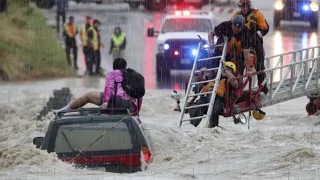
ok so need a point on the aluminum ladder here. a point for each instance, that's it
(192, 83)
(288, 76)
(292, 75)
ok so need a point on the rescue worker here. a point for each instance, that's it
(228, 76)
(62, 6)
(258, 27)
(84, 37)
(239, 43)
(118, 43)
(70, 31)
(93, 46)
(97, 52)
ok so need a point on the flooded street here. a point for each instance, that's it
(285, 145)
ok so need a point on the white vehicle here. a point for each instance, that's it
(161, 4)
(178, 40)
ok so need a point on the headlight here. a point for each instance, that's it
(166, 46)
(306, 7)
(279, 5)
(206, 46)
(163, 47)
(314, 6)
(194, 52)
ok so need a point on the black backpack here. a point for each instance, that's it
(133, 83)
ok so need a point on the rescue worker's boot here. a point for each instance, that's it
(196, 112)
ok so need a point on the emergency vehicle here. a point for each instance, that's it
(159, 5)
(177, 41)
(299, 10)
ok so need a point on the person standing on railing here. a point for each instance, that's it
(239, 43)
(257, 26)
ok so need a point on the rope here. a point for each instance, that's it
(104, 133)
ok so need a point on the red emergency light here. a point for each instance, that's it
(176, 53)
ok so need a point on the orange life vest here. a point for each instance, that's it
(221, 88)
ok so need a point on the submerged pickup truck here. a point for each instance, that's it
(95, 138)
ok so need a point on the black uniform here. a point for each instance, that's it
(71, 43)
(91, 54)
(257, 40)
(236, 43)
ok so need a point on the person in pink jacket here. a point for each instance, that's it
(108, 98)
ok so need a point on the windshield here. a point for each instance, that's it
(187, 25)
(76, 137)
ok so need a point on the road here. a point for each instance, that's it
(140, 52)
(284, 145)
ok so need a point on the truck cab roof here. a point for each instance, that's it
(95, 137)
(186, 25)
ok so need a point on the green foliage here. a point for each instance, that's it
(18, 3)
(29, 49)
(19, 22)
(29, 11)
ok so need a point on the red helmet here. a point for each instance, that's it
(243, 3)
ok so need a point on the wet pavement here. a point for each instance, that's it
(140, 51)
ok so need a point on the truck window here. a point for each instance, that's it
(187, 25)
(80, 136)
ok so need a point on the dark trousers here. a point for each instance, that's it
(90, 59)
(217, 110)
(260, 64)
(63, 15)
(98, 61)
(71, 44)
(3, 6)
(116, 102)
(85, 52)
